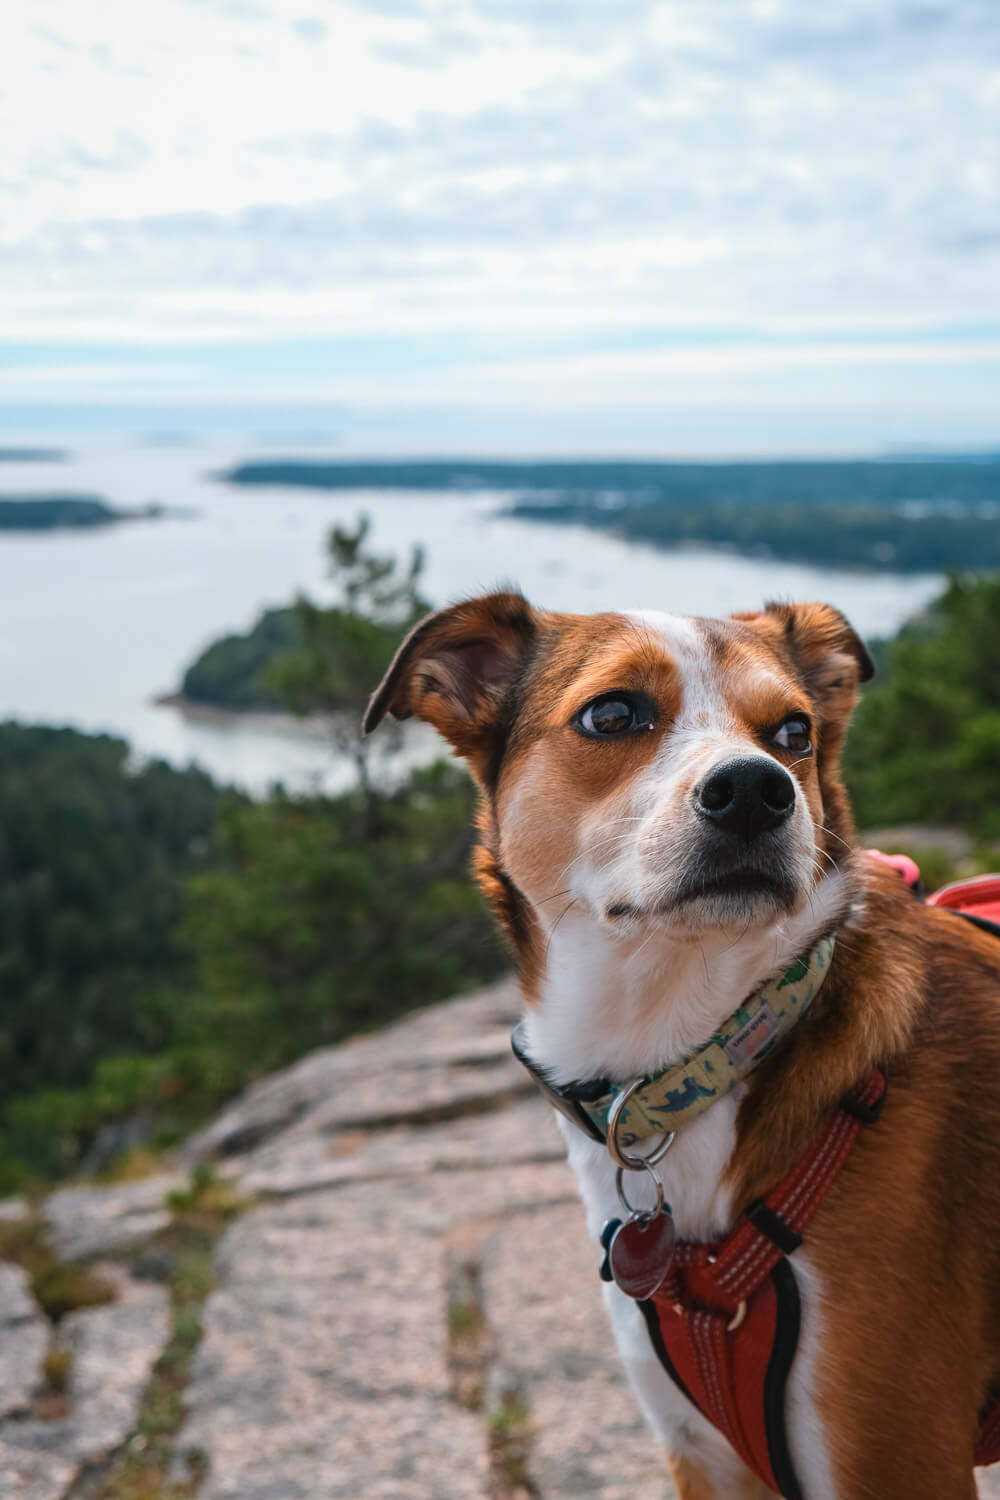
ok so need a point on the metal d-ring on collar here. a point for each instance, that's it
(625, 1159)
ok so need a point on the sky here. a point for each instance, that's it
(709, 226)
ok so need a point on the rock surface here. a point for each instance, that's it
(386, 1320)
(84, 1222)
(589, 1436)
(24, 1337)
(113, 1350)
(438, 1061)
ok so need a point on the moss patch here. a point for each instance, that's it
(59, 1286)
(62, 1287)
(477, 1382)
(207, 1198)
(511, 1431)
(56, 1368)
(469, 1341)
(143, 1469)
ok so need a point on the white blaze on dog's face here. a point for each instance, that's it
(652, 770)
(682, 792)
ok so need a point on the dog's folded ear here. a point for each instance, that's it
(823, 644)
(455, 667)
(826, 653)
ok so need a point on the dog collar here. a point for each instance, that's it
(661, 1103)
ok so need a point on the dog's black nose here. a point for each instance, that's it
(746, 795)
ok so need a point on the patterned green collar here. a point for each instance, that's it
(664, 1102)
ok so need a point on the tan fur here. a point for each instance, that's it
(692, 1482)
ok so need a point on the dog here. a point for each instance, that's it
(665, 839)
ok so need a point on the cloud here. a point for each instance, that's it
(310, 28)
(182, 171)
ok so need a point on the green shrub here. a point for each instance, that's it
(925, 744)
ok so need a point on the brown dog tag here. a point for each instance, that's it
(641, 1252)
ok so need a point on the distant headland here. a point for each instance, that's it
(894, 514)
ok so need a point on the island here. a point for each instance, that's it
(68, 512)
(229, 673)
(33, 455)
(898, 514)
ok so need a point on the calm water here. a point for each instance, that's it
(94, 625)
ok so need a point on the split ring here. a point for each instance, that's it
(639, 1213)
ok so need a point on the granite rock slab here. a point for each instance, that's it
(114, 1348)
(322, 1372)
(553, 1335)
(302, 1161)
(24, 1338)
(87, 1221)
(443, 1056)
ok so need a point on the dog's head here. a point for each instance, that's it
(656, 771)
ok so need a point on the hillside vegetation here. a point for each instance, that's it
(925, 744)
(163, 941)
(93, 856)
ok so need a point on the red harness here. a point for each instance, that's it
(725, 1323)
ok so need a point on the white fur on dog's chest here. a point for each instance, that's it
(692, 1173)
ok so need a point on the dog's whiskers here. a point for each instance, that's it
(823, 829)
(552, 931)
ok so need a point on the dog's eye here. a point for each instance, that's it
(614, 714)
(793, 734)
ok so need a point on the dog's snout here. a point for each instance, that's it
(746, 796)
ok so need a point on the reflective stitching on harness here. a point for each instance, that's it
(740, 1378)
(705, 1351)
(760, 1250)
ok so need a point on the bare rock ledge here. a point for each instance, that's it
(408, 1310)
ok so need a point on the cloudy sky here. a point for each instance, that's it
(509, 225)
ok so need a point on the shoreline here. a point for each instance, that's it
(272, 721)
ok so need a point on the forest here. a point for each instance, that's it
(164, 941)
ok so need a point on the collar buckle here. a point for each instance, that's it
(561, 1099)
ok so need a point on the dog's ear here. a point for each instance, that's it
(454, 669)
(823, 643)
(827, 654)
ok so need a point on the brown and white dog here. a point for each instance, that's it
(664, 829)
